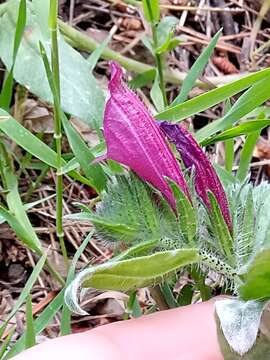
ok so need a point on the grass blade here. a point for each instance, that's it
(66, 313)
(6, 92)
(39, 324)
(246, 128)
(96, 54)
(20, 231)
(246, 155)
(84, 156)
(30, 336)
(211, 98)
(29, 142)
(156, 94)
(253, 97)
(5, 344)
(196, 70)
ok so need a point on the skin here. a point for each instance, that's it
(187, 333)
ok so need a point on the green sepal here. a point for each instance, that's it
(186, 213)
(220, 229)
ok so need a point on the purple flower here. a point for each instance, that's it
(134, 139)
(192, 155)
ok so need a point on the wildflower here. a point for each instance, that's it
(134, 139)
(206, 178)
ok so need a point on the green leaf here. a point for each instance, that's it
(226, 177)
(168, 295)
(84, 156)
(96, 54)
(220, 229)
(165, 32)
(139, 222)
(80, 94)
(245, 223)
(18, 228)
(133, 306)
(129, 274)
(70, 166)
(210, 98)
(30, 336)
(156, 94)
(66, 314)
(6, 92)
(186, 295)
(121, 230)
(151, 10)
(6, 343)
(245, 128)
(16, 215)
(196, 70)
(246, 155)
(166, 45)
(137, 250)
(40, 324)
(257, 285)
(143, 79)
(187, 216)
(253, 97)
(228, 144)
(24, 138)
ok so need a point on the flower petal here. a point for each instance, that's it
(206, 178)
(134, 139)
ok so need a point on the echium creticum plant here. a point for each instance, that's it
(168, 213)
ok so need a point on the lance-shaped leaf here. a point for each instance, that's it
(134, 139)
(192, 155)
(129, 274)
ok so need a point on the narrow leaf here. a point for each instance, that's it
(156, 94)
(187, 217)
(257, 285)
(30, 336)
(66, 314)
(84, 156)
(196, 70)
(6, 92)
(245, 128)
(40, 324)
(210, 98)
(246, 155)
(24, 138)
(151, 10)
(129, 274)
(253, 97)
(221, 229)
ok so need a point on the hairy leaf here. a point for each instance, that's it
(129, 274)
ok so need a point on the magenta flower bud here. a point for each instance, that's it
(134, 139)
(206, 178)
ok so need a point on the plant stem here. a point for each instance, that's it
(157, 56)
(158, 296)
(57, 127)
(200, 282)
